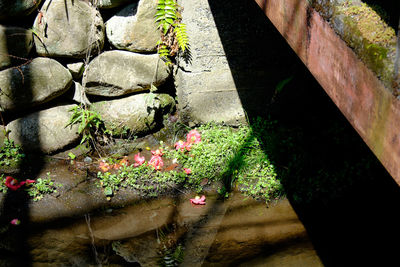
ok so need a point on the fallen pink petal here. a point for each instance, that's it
(193, 137)
(198, 200)
(13, 183)
(180, 145)
(156, 162)
(15, 222)
(187, 171)
(188, 146)
(124, 161)
(158, 152)
(139, 160)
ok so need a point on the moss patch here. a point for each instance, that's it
(369, 24)
(370, 37)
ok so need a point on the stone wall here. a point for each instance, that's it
(237, 59)
(56, 54)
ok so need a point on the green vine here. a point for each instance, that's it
(174, 38)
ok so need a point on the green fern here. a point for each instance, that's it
(164, 53)
(173, 33)
(181, 36)
(166, 14)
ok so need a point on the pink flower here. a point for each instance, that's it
(124, 161)
(180, 145)
(156, 162)
(12, 183)
(15, 222)
(198, 200)
(187, 171)
(104, 166)
(138, 160)
(188, 146)
(193, 137)
(29, 181)
(158, 152)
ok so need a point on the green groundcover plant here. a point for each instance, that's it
(10, 152)
(36, 189)
(211, 153)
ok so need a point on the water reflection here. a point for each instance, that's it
(221, 233)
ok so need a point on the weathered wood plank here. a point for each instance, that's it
(370, 107)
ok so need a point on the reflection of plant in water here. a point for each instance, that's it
(172, 257)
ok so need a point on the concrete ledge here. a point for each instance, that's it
(370, 107)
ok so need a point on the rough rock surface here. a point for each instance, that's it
(76, 69)
(133, 28)
(15, 43)
(78, 94)
(45, 130)
(41, 80)
(68, 29)
(137, 114)
(111, 3)
(12, 9)
(116, 73)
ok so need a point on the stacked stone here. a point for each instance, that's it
(51, 51)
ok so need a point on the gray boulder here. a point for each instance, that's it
(137, 114)
(133, 28)
(104, 4)
(116, 73)
(15, 8)
(68, 28)
(38, 82)
(45, 130)
(15, 44)
(76, 69)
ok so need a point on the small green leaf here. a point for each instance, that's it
(108, 191)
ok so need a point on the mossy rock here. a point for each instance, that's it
(136, 115)
(370, 37)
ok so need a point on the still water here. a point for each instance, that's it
(235, 232)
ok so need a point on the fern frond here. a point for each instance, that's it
(164, 53)
(181, 36)
(166, 14)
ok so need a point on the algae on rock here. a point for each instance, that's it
(366, 33)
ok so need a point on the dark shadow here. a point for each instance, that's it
(14, 249)
(344, 197)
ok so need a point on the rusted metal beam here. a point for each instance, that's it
(370, 107)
